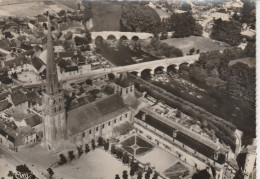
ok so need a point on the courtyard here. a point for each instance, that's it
(136, 146)
(96, 164)
(163, 162)
(28, 77)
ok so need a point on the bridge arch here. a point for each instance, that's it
(135, 38)
(136, 73)
(111, 37)
(123, 37)
(183, 67)
(172, 68)
(146, 74)
(159, 70)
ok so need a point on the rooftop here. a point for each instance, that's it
(95, 113)
(4, 105)
(18, 98)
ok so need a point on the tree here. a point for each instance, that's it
(50, 171)
(78, 6)
(113, 149)
(125, 158)
(250, 49)
(81, 41)
(164, 35)
(63, 159)
(227, 31)
(236, 17)
(186, 6)
(111, 76)
(132, 172)
(106, 145)
(155, 176)
(125, 175)
(119, 153)
(88, 36)
(248, 12)
(23, 169)
(100, 141)
(198, 73)
(80, 151)
(117, 176)
(14, 75)
(191, 52)
(93, 143)
(87, 148)
(139, 18)
(147, 175)
(89, 82)
(71, 155)
(139, 175)
(184, 25)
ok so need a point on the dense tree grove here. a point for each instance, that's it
(239, 78)
(227, 31)
(248, 12)
(139, 18)
(184, 25)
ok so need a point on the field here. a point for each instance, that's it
(31, 8)
(106, 16)
(199, 43)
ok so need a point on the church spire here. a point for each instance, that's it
(52, 77)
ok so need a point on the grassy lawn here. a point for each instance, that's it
(106, 16)
(143, 146)
(202, 43)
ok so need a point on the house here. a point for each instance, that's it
(5, 104)
(34, 100)
(34, 121)
(38, 65)
(7, 136)
(17, 65)
(19, 100)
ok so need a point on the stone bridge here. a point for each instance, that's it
(153, 66)
(106, 35)
(138, 69)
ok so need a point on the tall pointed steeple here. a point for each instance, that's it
(52, 86)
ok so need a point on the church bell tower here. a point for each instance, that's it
(53, 103)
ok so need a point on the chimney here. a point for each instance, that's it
(143, 117)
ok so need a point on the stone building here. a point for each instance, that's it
(77, 126)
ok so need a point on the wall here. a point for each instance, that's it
(104, 129)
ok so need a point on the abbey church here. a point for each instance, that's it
(80, 125)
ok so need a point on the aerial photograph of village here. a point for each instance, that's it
(127, 89)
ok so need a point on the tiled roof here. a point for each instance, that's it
(66, 54)
(33, 120)
(3, 96)
(16, 62)
(4, 105)
(95, 113)
(7, 132)
(18, 98)
(37, 63)
(185, 136)
(109, 90)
